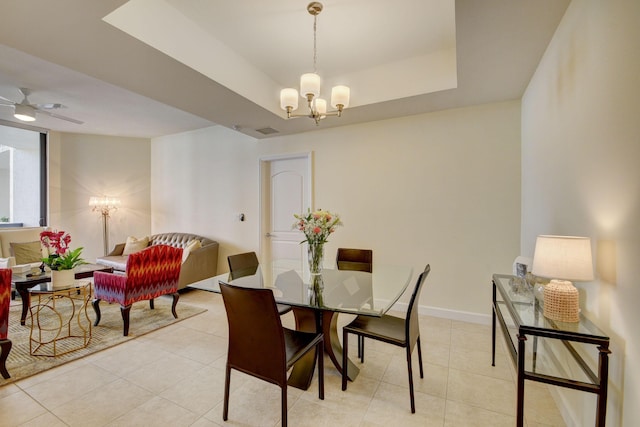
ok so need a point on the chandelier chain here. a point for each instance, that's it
(315, 49)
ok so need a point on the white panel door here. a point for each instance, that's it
(286, 190)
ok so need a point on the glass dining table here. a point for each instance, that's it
(343, 291)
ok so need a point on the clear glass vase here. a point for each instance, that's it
(316, 256)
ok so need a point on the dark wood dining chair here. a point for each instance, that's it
(355, 260)
(246, 264)
(392, 330)
(260, 346)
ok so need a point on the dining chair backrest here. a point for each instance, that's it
(355, 259)
(412, 319)
(256, 339)
(242, 265)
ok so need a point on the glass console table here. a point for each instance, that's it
(562, 354)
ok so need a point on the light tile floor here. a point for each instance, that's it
(175, 377)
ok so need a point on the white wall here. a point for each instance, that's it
(580, 176)
(440, 188)
(5, 182)
(81, 166)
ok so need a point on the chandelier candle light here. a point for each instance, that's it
(310, 86)
(104, 205)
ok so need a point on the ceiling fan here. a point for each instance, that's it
(26, 111)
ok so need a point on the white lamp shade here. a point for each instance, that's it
(320, 106)
(340, 96)
(289, 98)
(25, 113)
(104, 202)
(563, 257)
(309, 84)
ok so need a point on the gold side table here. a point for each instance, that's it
(59, 319)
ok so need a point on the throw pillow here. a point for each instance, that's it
(134, 244)
(27, 252)
(191, 246)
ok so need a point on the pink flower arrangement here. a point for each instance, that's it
(56, 242)
(317, 225)
(61, 257)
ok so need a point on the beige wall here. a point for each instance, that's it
(81, 166)
(581, 147)
(440, 188)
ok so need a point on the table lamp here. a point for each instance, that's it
(562, 259)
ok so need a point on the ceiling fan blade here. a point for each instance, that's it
(49, 106)
(58, 116)
(6, 101)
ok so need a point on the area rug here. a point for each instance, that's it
(108, 333)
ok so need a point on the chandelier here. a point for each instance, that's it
(310, 86)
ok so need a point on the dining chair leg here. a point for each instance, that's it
(413, 405)
(361, 348)
(225, 407)
(284, 405)
(345, 351)
(320, 351)
(420, 357)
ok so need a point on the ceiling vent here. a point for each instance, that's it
(267, 131)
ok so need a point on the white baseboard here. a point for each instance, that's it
(463, 316)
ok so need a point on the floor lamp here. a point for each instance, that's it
(104, 205)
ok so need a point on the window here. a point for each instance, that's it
(23, 177)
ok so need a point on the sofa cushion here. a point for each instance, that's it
(134, 244)
(26, 252)
(25, 234)
(190, 247)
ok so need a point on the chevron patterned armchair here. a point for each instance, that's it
(150, 273)
(5, 297)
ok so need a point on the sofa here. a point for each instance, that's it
(23, 235)
(199, 262)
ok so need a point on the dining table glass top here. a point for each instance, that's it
(355, 292)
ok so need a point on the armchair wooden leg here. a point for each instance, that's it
(125, 318)
(96, 308)
(176, 297)
(151, 306)
(5, 348)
